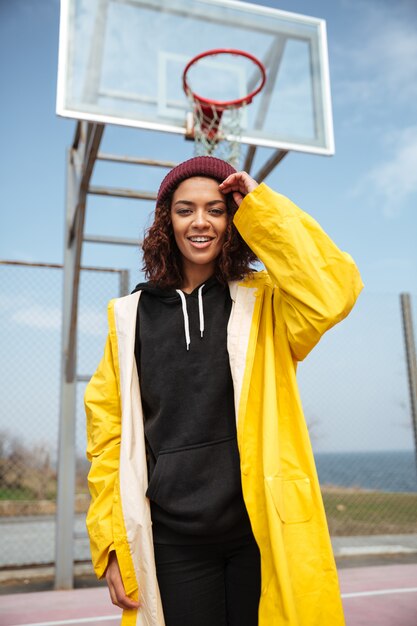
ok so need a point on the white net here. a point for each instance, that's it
(217, 132)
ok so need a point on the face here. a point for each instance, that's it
(199, 220)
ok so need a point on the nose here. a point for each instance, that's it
(200, 219)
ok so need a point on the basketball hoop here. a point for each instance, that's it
(216, 125)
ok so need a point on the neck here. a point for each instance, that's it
(195, 276)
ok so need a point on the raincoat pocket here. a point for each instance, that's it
(292, 498)
(196, 489)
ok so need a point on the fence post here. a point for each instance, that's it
(124, 283)
(410, 351)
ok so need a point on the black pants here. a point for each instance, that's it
(210, 585)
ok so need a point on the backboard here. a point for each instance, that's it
(121, 62)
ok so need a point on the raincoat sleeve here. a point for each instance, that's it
(103, 411)
(315, 283)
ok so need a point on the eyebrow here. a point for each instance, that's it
(210, 203)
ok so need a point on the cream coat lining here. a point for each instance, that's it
(132, 468)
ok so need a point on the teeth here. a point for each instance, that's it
(200, 239)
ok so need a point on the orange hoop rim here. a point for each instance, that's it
(224, 104)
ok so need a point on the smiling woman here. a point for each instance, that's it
(199, 221)
(194, 184)
(202, 472)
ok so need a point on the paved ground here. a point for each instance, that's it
(380, 596)
(77, 607)
(374, 545)
(35, 536)
(378, 578)
(384, 595)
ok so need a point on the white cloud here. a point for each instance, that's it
(378, 60)
(36, 316)
(393, 182)
(12, 302)
(375, 90)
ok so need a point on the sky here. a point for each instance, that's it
(364, 196)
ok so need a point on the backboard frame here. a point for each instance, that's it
(328, 147)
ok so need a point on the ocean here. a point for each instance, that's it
(383, 471)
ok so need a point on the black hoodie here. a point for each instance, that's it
(188, 405)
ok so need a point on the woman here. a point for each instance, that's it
(206, 508)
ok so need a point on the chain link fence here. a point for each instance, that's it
(30, 336)
(353, 386)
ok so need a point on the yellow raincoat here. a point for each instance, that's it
(277, 317)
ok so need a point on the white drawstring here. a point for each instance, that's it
(186, 322)
(185, 314)
(201, 310)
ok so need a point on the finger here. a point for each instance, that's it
(234, 181)
(112, 593)
(116, 588)
(120, 599)
(239, 181)
(127, 603)
(237, 178)
(238, 198)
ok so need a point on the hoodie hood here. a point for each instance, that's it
(177, 297)
(166, 294)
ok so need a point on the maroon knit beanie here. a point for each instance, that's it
(198, 166)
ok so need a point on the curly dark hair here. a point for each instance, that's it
(162, 262)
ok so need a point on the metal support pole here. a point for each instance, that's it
(117, 158)
(64, 556)
(410, 351)
(94, 66)
(272, 162)
(317, 94)
(272, 62)
(117, 241)
(81, 159)
(122, 193)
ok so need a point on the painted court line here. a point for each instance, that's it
(363, 594)
(102, 618)
(114, 618)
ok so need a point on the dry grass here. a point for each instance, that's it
(357, 512)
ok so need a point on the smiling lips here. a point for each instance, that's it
(200, 241)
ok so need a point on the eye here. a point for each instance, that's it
(183, 211)
(217, 211)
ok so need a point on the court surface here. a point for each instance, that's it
(384, 595)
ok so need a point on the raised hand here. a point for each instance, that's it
(115, 585)
(239, 184)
